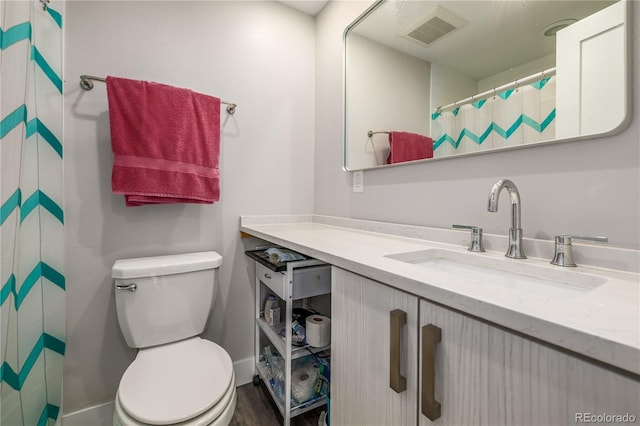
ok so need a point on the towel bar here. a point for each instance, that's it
(87, 84)
(371, 133)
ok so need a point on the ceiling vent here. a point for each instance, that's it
(433, 26)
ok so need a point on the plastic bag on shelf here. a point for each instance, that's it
(298, 334)
(275, 369)
(324, 376)
(310, 376)
(304, 378)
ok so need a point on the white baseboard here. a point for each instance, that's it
(102, 414)
(245, 369)
(98, 415)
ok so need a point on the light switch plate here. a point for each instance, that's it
(358, 181)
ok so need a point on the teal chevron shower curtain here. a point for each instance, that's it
(32, 295)
(510, 118)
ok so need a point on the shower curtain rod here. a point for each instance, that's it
(493, 92)
(87, 84)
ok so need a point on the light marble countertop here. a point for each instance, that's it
(602, 323)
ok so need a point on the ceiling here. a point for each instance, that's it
(310, 7)
(497, 36)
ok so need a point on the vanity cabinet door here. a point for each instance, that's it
(365, 317)
(486, 375)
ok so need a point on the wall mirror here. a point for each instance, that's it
(435, 79)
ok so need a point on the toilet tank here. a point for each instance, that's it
(164, 299)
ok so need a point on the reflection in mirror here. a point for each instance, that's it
(441, 78)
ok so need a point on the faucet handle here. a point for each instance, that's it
(594, 239)
(475, 244)
(563, 255)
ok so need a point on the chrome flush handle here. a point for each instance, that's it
(129, 287)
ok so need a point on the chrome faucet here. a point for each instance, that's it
(515, 250)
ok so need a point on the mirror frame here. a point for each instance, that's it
(623, 124)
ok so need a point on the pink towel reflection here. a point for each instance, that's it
(407, 146)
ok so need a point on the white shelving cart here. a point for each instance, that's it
(295, 281)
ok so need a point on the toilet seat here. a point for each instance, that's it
(177, 382)
(220, 415)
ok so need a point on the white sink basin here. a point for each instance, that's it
(516, 275)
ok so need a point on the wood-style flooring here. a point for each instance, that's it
(255, 408)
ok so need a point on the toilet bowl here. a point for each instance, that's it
(177, 378)
(185, 383)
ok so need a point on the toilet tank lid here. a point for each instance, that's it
(165, 265)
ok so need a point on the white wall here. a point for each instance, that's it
(587, 187)
(516, 73)
(384, 84)
(449, 86)
(257, 54)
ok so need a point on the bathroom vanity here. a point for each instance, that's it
(459, 370)
(424, 331)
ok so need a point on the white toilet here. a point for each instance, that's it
(177, 378)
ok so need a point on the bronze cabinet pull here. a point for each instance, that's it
(430, 339)
(397, 381)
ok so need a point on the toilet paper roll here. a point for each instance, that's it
(303, 383)
(318, 330)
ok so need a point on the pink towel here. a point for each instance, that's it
(409, 146)
(165, 141)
